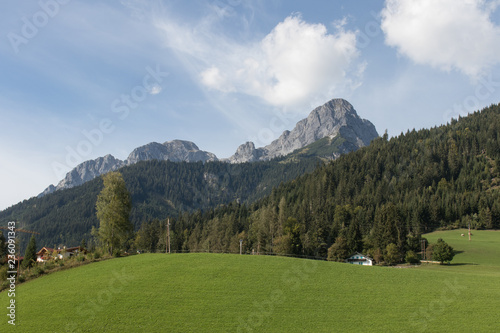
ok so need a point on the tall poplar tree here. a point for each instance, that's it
(113, 211)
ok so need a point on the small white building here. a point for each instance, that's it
(359, 259)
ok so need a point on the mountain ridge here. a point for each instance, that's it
(334, 118)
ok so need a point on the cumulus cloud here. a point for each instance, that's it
(296, 63)
(446, 34)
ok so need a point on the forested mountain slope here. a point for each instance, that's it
(159, 189)
(388, 192)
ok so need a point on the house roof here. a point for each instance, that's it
(47, 249)
(68, 249)
(359, 254)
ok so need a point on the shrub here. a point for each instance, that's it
(117, 253)
(49, 265)
(97, 255)
(37, 271)
(411, 257)
(3, 273)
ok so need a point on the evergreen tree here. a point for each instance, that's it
(3, 248)
(30, 253)
(113, 210)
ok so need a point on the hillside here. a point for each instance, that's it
(228, 293)
(159, 189)
(387, 193)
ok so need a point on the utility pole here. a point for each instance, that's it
(241, 244)
(424, 249)
(168, 236)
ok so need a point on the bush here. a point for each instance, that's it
(97, 255)
(117, 253)
(21, 278)
(411, 257)
(80, 258)
(49, 265)
(37, 271)
(3, 273)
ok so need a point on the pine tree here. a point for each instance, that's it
(113, 210)
(30, 254)
(3, 248)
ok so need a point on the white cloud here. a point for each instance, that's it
(155, 89)
(295, 64)
(446, 34)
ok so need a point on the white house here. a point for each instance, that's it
(359, 259)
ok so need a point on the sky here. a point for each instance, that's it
(82, 79)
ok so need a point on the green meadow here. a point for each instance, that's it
(233, 293)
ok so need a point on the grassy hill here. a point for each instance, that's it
(482, 253)
(232, 293)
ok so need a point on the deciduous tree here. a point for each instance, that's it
(442, 251)
(113, 211)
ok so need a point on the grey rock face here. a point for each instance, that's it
(331, 119)
(247, 153)
(175, 151)
(335, 117)
(86, 171)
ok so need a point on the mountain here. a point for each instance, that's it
(378, 200)
(335, 118)
(86, 171)
(159, 189)
(175, 151)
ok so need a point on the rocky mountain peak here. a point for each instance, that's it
(175, 151)
(336, 117)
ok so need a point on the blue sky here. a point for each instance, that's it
(82, 79)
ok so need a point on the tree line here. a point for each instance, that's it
(378, 200)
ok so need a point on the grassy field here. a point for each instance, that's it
(232, 293)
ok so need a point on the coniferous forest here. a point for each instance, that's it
(158, 189)
(388, 193)
(378, 200)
